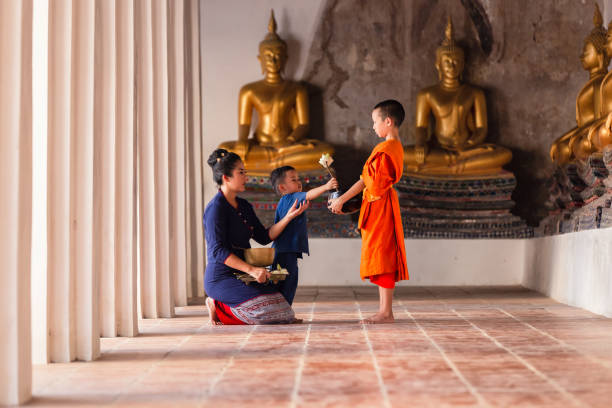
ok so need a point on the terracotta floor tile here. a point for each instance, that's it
(525, 399)
(449, 347)
(432, 399)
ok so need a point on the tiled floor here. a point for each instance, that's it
(450, 347)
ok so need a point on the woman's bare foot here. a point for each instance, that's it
(378, 318)
(213, 319)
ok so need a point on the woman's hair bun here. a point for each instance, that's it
(216, 156)
(222, 163)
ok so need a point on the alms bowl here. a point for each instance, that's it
(259, 256)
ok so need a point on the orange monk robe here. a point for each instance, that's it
(382, 234)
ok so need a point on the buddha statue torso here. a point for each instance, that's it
(589, 103)
(281, 108)
(589, 110)
(454, 113)
(459, 110)
(598, 134)
(282, 111)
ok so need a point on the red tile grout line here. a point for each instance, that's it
(381, 383)
(562, 343)
(155, 364)
(575, 401)
(469, 386)
(227, 366)
(300, 367)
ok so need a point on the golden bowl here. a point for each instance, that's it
(259, 256)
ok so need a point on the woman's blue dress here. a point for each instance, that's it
(229, 230)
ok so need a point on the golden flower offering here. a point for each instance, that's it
(326, 160)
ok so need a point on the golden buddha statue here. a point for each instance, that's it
(599, 134)
(588, 103)
(282, 109)
(460, 114)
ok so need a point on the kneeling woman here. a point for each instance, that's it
(230, 223)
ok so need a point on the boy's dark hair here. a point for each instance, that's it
(391, 109)
(222, 163)
(278, 176)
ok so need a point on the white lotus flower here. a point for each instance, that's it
(326, 160)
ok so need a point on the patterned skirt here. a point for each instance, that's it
(263, 309)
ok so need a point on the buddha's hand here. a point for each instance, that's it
(599, 136)
(335, 205)
(260, 274)
(296, 209)
(608, 127)
(331, 184)
(419, 154)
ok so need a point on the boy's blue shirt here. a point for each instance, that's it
(294, 237)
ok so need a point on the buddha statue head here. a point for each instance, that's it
(594, 57)
(450, 58)
(272, 50)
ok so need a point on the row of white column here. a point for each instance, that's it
(117, 181)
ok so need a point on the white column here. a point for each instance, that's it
(60, 288)
(195, 145)
(40, 69)
(16, 202)
(81, 181)
(146, 160)
(104, 164)
(165, 292)
(125, 228)
(176, 148)
(190, 259)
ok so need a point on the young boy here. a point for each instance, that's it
(293, 241)
(383, 255)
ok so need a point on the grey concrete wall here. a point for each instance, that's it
(523, 53)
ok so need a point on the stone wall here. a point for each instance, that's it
(524, 54)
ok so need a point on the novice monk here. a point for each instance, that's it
(383, 256)
(293, 241)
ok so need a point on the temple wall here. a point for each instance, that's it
(352, 54)
(439, 262)
(523, 53)
(572, 268)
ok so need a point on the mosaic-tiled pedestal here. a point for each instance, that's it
(465, 207)
(580, 196)
(321, 222)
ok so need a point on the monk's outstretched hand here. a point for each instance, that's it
(335, 206)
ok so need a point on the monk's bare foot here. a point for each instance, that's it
(297, 321)
(213, 319)
(378, 318)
